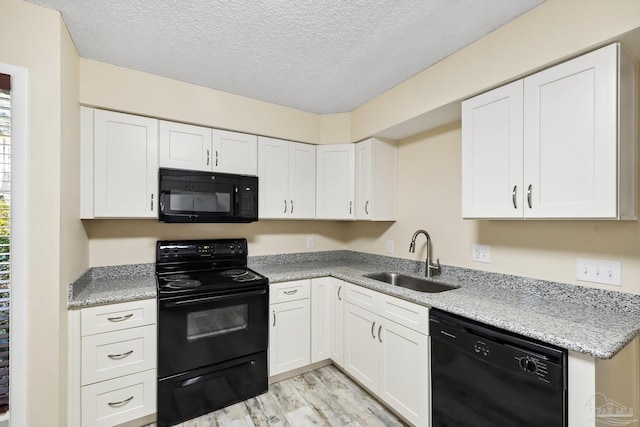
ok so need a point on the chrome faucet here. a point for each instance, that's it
(430, 268)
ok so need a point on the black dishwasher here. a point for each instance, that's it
(482, 376)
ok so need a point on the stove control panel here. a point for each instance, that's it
(200, 250)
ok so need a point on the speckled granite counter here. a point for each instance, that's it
(120, 283)
(590, 321)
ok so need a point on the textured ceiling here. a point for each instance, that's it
(321, 56)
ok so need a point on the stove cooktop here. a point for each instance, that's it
(174, 283)
(201, 266)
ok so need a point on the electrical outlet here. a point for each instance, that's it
(309, 241)
(389, 246)
(599, 271)
(481, 253)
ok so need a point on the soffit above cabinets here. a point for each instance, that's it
(316, 56)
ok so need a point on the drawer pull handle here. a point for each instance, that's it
(120, 318)
(121, 403)
(119, 356)
(292, 292)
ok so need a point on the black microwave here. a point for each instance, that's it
(194, 196)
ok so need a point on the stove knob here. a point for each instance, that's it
(528, 365)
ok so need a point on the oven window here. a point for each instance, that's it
(200, 202)
(217, 321)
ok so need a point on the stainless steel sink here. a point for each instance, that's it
(410, 282)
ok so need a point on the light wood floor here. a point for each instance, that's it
(324, 397)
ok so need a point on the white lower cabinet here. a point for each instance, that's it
(113, 363)
(289, 333)
(389, 358)
(327, 314)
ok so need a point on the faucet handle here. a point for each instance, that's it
(436, 267)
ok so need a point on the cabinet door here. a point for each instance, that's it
(492, 154)
(336, 321)
(364, 178)
(335, 181)
(273, 171)
(289, 342)
(126, 165)
(570, 117)
(185, 146)
(321, 293)
(361, 345)
(235, 152)
(302, 180)
(404, 371)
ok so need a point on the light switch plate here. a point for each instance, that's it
(599, 271)
(481, 253)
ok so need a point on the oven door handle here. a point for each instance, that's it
(214, 298)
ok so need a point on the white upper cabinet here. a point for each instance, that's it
(558, 144)
(375, 186)
(335, 186)
(191, 147)
(235, 152)
(492, 154)
(185, 146)
(119, 165)
(287, 172)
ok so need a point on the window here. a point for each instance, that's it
(5, 235)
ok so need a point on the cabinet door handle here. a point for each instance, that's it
(291, 292)
(121, 403)
(285, 206)
(151, 202)
(291, 206)
(120, 318)
(216, 157)
(366, 208)
(529, 196)
(274, 318)
(513, 196)
(350, 206)
(379, 333)
(120, 356)
(208, 155)
(339, 289)
(373, 326)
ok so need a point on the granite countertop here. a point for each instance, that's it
(591, 321)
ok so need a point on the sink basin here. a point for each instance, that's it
(410, 282)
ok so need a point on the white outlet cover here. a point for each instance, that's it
(481, 253)
(599, 271)
(310, 242)
(389, 246)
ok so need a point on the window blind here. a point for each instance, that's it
(5, 236)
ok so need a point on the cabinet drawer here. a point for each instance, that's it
(113, 317)
(289, 291)
(363, 297)
(119, 400)
(118, 353)
(406, 313)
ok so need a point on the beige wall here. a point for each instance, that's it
(553, 31)
(429, 180)
(116, 242)
(36, 38)
(116, 88)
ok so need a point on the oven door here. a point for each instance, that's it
(200, 330)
